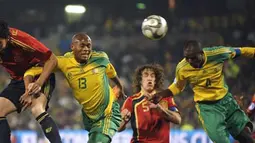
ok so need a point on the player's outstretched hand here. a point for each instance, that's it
(25, 100)
(34, 88)
(125, 115)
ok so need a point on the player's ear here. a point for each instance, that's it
(72, 46)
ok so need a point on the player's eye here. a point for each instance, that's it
(145, 75)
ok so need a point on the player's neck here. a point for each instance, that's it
(81, 62)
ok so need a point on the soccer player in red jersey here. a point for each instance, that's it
(150, 122)
(18, 52)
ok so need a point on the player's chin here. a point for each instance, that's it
(84, 58)
(150, 89)
(194, 65)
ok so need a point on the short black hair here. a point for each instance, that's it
(192, 43)
(4, 29)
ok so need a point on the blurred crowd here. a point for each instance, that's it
(127, 48)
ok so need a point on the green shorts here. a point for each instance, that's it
(221, 118)
(107, 125)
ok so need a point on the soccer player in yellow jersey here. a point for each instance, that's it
(87, 73)
(202, 69)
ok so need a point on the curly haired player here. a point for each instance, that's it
(150, 122)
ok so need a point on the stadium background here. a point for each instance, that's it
(114, 26)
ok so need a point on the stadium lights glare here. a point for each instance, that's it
(75, 9)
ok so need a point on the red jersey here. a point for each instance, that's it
(147, 124)
(22, 52)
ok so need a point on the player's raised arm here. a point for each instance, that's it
(112, 74)
(225, 53)
(246, 51)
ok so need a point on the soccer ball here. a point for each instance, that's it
(154, 27)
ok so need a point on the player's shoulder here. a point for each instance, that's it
(99, 54)
(181, 65)
(169, 101)
(135, 96)
(66, 55)
(65, 59)
(14, 32)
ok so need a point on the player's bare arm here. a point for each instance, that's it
(49, 66)
(248, 52)
(160, 95)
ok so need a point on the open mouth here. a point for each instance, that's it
(150, 83)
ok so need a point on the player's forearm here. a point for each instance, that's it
(247, 52)
(49, 66)
(165, 93)
(122, 126)
(170, 116)
(28, 79)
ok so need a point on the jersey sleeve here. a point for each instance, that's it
(179, 83)
(33, 71)
(28, 42)
(248, 52)
(168, 103)
(171, 104)
(221, 53)
(110, 71)
(127, 105)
